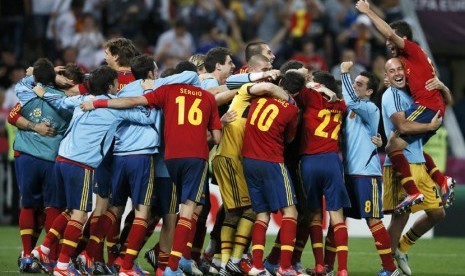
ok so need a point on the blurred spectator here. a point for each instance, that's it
(41, 12)
(89, 41)
(363, 38)
(377, 68)
(270, 17)
(127, 15)
(63, 25)
(348, 55)
(12, 15)
(16, 74)
(341, 14)
(210, 39)
(176, 44)
(311, 60)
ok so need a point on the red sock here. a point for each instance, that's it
(98, 229)
(135, 240)
(341, 241)
(258, 243)
(70, 240)
(383, 245)
(433, 171)
(51, 213)
(163, 259)
(126, 227)
(56, 231)
(401, 166)
(275, 253)
(181, 236)
(84, 239)
(112, 239)
(26, 229)
(199, 239)
(301, 239)
(316, 236)
(289, 227)
(188, 249)
(330, 248)
(39, 224)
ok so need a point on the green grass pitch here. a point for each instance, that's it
(429, 257)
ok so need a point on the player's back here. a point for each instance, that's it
(270, 123)
(233, 133)
(321, 123)
(189, 112)
(418, 70)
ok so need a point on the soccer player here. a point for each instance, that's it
(228, 171)
(271, 122)
(37, 179)
(361, 162)
(320, 167)
(427, 103)
(81, 151)
(395, 100)
(34, 159)
(255, 48)
(189, 112)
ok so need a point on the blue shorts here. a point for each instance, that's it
(103, 176)
(36, 182)
(270, 186)
(166, 198)
(419, 114)
(366, 194)
(77, 182)
(190, 176)
(133, 176)
(322, 176)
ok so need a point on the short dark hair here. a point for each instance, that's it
(44, 72)
(373, 81)
(402, 28)
(214, 56)
(253, 48)
(167, 72)
(123, 48)
(141, 66)
(73, 72)
(293, 82)
(290, 64)
(101, 79)
(326, 79)
(185, 66)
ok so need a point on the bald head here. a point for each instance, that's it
(395, 73)
(259, 63)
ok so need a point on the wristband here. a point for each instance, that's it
(100, 103)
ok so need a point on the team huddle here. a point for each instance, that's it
(270, 139)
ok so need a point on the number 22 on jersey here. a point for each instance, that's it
(194, 114)
(327, 118)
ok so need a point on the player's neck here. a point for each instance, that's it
(122, 68)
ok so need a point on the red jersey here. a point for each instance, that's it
(189, 112)
(321, 123)
(270, 123)
(242, 70)
(418, 69)
(123, 79)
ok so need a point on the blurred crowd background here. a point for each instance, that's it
(319, 33)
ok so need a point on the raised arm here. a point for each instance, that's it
(237, 80)
(269, 89)
(364, 7)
